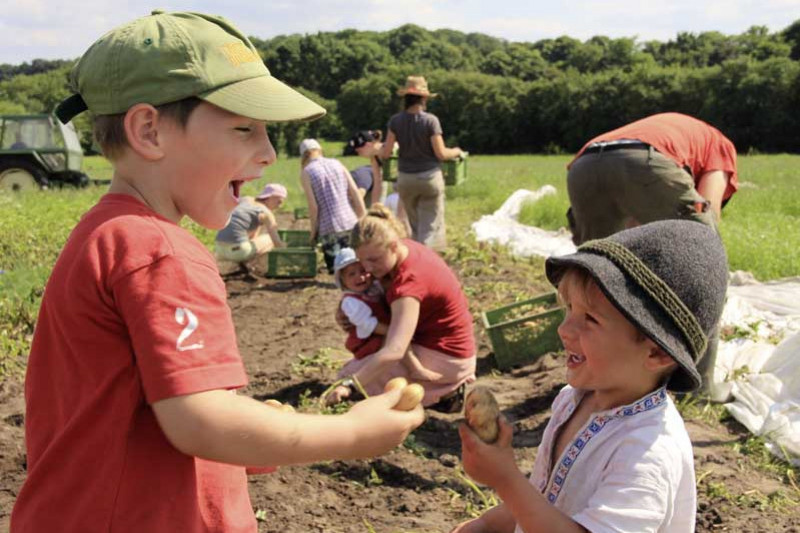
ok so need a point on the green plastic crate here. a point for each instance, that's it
(522, 332)
(292, 263)
(300, 212)
(454, 170)
(295, 238)
(389, 169)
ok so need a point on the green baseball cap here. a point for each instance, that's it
(166, 57)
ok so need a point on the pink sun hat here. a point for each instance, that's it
(272, 189)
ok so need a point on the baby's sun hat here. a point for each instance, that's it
(346, 256)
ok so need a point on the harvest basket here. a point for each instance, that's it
(295, 238)
(454, 170)
(389, 169)
(523, 331)
(292, 263)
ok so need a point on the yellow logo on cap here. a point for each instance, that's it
(237, 53)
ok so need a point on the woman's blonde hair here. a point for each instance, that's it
(379, 226)
(308, 155)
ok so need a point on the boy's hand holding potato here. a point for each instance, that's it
(486, 451)
(380, 423)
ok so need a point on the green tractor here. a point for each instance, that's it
(38, 151)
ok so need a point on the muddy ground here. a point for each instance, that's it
(418, 487)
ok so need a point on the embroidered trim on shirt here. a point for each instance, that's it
(596, 425)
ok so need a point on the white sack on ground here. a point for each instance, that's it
(501, 227)
(760, 370)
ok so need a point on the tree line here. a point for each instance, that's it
(496, 96)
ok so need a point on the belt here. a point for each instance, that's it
(600, 147)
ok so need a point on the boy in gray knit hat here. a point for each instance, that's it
(615, 455)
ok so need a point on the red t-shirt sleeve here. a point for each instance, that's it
(720, 154)
(406, 284)
(180, 328)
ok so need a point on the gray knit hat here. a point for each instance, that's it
(668, 278)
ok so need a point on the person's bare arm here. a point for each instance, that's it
(267, 220)
(494, 465)
(377, 180)
(442, 152)
(222, 426)
(416, 370)
(354, 195)
(388, 145)
(712, 186)
(313, 210)
(498, 519)
(405, 314)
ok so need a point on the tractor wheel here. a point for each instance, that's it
(19, 175)
(82, 181)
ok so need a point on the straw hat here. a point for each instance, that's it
(416, 85)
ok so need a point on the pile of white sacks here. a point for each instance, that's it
(757, 370)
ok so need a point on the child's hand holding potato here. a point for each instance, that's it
(486, 451)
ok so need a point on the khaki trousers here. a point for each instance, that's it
(423, 198)
(617, 189)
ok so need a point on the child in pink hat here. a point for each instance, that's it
(252, 230)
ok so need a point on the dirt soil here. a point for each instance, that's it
(417, 487)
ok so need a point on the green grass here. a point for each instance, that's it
(761, 224)
(760, 227)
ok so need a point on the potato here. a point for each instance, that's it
(410, 397)
(278, 405)
(395, 383)
(481, 411)
(412, 394)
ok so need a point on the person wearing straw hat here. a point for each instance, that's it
(252, 230)
(420, 182)
(132, 421)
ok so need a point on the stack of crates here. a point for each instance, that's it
(300, 212)
(297, 260)
(523, 331)
(295, 238)
(454, 170)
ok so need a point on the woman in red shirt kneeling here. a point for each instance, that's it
(429, 313)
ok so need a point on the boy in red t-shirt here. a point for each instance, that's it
(132, 422)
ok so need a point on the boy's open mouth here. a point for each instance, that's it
(574, 359)
(235, 186)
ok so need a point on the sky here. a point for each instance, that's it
(56, 29)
